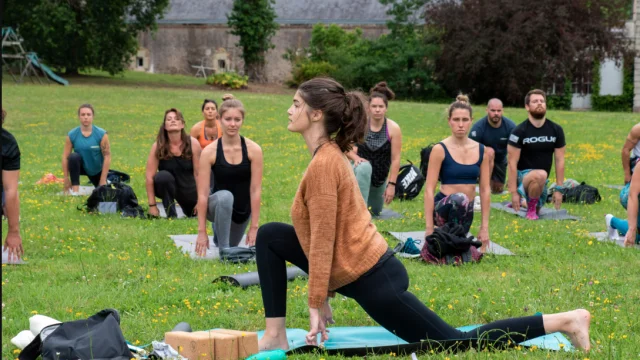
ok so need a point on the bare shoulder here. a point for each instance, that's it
(635, 131)
(197, 126)
(194, 143)
(252, 147)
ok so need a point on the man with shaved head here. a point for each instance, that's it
(493, 132)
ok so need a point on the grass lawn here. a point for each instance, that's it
(79, 264)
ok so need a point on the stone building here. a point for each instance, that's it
(636, 71)
(195, 33)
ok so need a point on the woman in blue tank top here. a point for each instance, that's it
(234, 203)
(376, 162)
(172, 167)
(458, 162)
(91, 154)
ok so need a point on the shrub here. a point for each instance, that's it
(307, 70)
(229, 80)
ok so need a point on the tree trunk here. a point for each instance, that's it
(255, 72)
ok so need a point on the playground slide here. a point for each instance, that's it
(36, 63)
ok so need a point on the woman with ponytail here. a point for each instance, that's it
(334, 241)
(172, 167)
(458, 162)
(376, 162)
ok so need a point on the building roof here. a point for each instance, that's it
(356, 12)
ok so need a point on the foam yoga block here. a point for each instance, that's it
(493, 248)
(251, 278)
(360, 341)
(604, 237)
(187, 243)
(386, 214)
(219, 344)
(545, 213)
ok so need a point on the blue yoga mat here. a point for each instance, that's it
(372, 337)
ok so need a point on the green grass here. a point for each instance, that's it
(80, 263)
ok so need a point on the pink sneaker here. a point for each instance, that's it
(532, 214)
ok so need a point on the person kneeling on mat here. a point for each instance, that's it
(458, 162)
(378, 159)
(532, 147)
(334, 241)
(91, 154)
(629, 198)
(172, 167)
(236, 163)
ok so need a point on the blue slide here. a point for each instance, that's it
(36, 63)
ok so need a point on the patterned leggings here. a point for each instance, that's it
(453, 209)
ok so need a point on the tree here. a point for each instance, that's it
(504, 48)
(254, 22)
(405, 13)
(72, 35)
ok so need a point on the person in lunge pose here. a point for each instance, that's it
(91, 154)
(335, 242)
(172, 167)
(629, 198)
(458, 162)
(377, 160)
(493, 132)
(236, 163)
(533, 145)
(631, 146)
(10, 165)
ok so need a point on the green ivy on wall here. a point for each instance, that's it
(561, 102)
(622, 102)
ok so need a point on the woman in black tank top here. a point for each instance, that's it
(235, 164)
(172, 168)
(376, 162)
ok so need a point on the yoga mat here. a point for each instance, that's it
(251, 278)
(163, 212)
(545, 213)
(617, 187)
(386, 214)
(360, 341)
(604, 237)
(82, 191)
(187, 243)
(493, 248)
(5, 259)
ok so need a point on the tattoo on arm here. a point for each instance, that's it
(106, 149)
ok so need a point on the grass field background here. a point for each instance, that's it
(79, 264)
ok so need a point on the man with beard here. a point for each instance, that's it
(632, 144)
(493, 131)
(533, 145)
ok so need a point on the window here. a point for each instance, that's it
(222, 64)
(140, 61)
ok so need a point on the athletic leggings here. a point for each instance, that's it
(382, 293)
(166, 188)
(453, 209)
(74, 164)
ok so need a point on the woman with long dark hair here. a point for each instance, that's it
(334, 241)
(172, 167)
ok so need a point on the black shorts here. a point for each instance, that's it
(499, 172)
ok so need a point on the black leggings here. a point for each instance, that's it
(74, 164)
(382, 293)
(165, 187)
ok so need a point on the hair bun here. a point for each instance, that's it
(383, 88)
(462, 98)
(226, 97)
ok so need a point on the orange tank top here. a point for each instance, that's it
(202, 139)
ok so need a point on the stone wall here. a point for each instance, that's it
(174, 49)
(636, 72)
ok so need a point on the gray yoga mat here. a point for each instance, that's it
(82, 191)
(545, 213)
(604, 237)
(251, 278)
(493, 248)
(187, 243)
(617, 187)
(163, 212)
(5, 259)
(386, 214)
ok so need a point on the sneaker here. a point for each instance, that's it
(532, 213)
(409, 249)
(612, 233)
(476, 204)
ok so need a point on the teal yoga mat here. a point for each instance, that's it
(364, 340)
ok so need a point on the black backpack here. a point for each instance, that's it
(582, 193)
(121, 194)
(115, 176)
(409, 182)
(424, 159)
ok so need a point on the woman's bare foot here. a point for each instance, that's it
(578, 329)
(268, 342)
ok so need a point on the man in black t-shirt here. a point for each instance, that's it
(533, 145)
(10, 164)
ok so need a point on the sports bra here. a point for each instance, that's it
(452, 172)
(202, 138)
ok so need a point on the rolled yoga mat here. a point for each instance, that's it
(251, 278)
(545, 213)
(493, 248)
